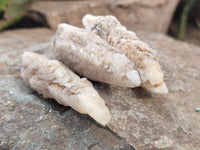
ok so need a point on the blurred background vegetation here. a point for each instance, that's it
(13, 14)
(12, 11)
(187, 14)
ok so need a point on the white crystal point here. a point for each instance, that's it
(162, 89)
(88, 17)
(96, 109)
(28, 58)
(153, 73)
(87, 20)
(134, 77)
(53, 79)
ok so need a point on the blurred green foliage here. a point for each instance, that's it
(184, 17)
(2, 5)
(12, 11)
(198, 22)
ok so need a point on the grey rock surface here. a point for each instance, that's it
(140, 120)
(145, 15)
(28, 121)
(161, 122)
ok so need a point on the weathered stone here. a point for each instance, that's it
(161, 122)
(148, 15)
(146, 121)
(28, 121)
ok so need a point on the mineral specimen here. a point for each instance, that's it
(126, 42)
(54, 80)
(90, 56)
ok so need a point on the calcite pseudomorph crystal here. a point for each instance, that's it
(90, 56)
(53, 79)
(126, 42)
(106, 51)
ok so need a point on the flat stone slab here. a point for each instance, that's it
(140, 120)
(161, 122)
(28, 121)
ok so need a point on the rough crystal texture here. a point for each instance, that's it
(126, 42)
(92, 57)
(29, 122)
(54, 80)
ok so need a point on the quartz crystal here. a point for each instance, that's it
(126, 42)
(90, 56)
(53, 79)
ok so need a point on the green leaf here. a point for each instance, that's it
(3, 4)
(16, 8)
(14, 11)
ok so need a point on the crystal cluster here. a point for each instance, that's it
(106, 52)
